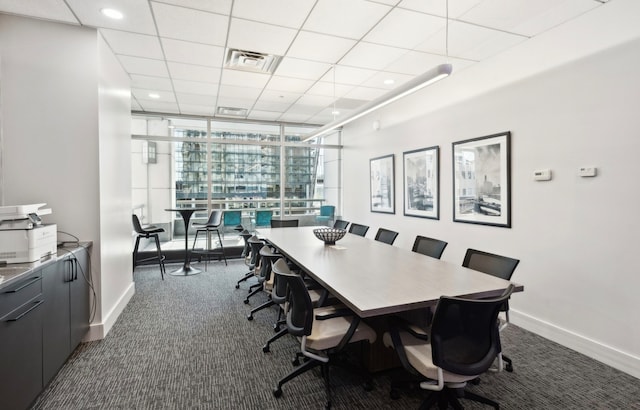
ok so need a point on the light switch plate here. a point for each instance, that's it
(587, 171)
(542, 175)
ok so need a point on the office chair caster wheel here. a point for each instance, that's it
(246, 301)
(394, 394)
(295, 362)
(265, 349)
(277, 392)
(276, 328)
(509, 368)
(249, 317)
(237, 286)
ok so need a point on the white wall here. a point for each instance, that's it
(575, 237)
(66, 142)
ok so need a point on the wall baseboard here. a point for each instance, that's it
(591, 348)
(98, 331)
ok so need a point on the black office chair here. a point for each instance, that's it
(463, 343)
(255, 244)
(340, 224)
(495, 265)
(267, 257)
(357, 229)
(323, 332)
(248, 258)
(386, 236)
(212, 225)
(147, 232)
(284, 223)
(429, 246)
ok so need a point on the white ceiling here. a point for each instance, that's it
(335, 52)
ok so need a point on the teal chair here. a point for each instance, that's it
(326, 214)
(263, 217)
(232, 220)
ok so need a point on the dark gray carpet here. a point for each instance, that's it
(185, 343)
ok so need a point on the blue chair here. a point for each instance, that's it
(326, 214)
(263, 217)
(232, 219)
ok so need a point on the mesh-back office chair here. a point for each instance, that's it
(232, 220)
(340, 224)
(147, 232)
(284, 223)
(263, 217)
(327, 213)
(386, 236)
(429, 246)
(212, 225)
(357, 229)
(495, 265)
(249, 259)
(323, 332)
(463, 343)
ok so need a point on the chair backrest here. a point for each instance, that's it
(232, 218)
(327, 210)
(340, 224)
(215, 219)
(429, 246)
(358, 229)
(386, 236)
(284, 223)
(263, 217)
(300, 314)
(464, 334)
(246, 235)
(279, 291)
(256, 244)
(490, 263)
(136, 224)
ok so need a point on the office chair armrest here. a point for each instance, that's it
(415, 332)
(336, 313)
(394, 332)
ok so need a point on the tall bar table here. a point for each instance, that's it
(186, 268)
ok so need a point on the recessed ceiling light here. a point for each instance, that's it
(112, 13)
(154, 95)
(390, 81)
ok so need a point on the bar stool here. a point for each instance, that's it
(147, 232)
(212, 225)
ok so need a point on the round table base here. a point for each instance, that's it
(185, 271)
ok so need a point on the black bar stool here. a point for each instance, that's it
(147, 232)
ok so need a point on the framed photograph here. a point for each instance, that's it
(422, 183)
(482, 180)
(382, 184)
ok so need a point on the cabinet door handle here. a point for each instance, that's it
(21, 315)
(75, 269)
(24, 285)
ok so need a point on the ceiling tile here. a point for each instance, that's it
(133, 44)
(244, 78)
(328, 89)
(264, 115)
(351, 19)
(193, 53)
(271, 105)
(277, 12)
(151, 83)
(557, 13)
(294, 85)
(137, 15)
(294, 117)
(135, 106)
(372, 56)
(144, 66)
(347, 75)
(405, 28)
(194, 72)
(143, 94)
(217, 6)
(320, 47)
(208, 110)
(192, 25)
(259, 37)
(416, 62)
(231, 91)
(305, 110)
(279, 97)
(294, 67)
(378, 80)
(159, 106)
(387, 2)
(235, 102)
(439, 7)
(365, 93)
(318, 101)
(195, 87)
(196, 99)
(55, 10)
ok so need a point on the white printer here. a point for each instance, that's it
(23, 236)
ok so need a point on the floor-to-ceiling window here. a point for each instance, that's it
(228, 165)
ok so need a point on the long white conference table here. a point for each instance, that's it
(375, 279)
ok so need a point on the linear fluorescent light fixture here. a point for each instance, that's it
(435, 74)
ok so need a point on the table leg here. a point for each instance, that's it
(186, 268)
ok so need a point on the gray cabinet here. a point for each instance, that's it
(21, 342)
(66, 309)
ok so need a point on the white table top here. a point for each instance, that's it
(374, 278)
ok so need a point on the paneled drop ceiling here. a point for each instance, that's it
(331, 55)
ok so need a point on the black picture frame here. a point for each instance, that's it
(421, 168)
(382, 184)
(482, 180)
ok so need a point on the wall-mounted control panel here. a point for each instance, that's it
(542, 175)
(587, 171)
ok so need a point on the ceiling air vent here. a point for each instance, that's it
(232, 112)
(252, 61)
